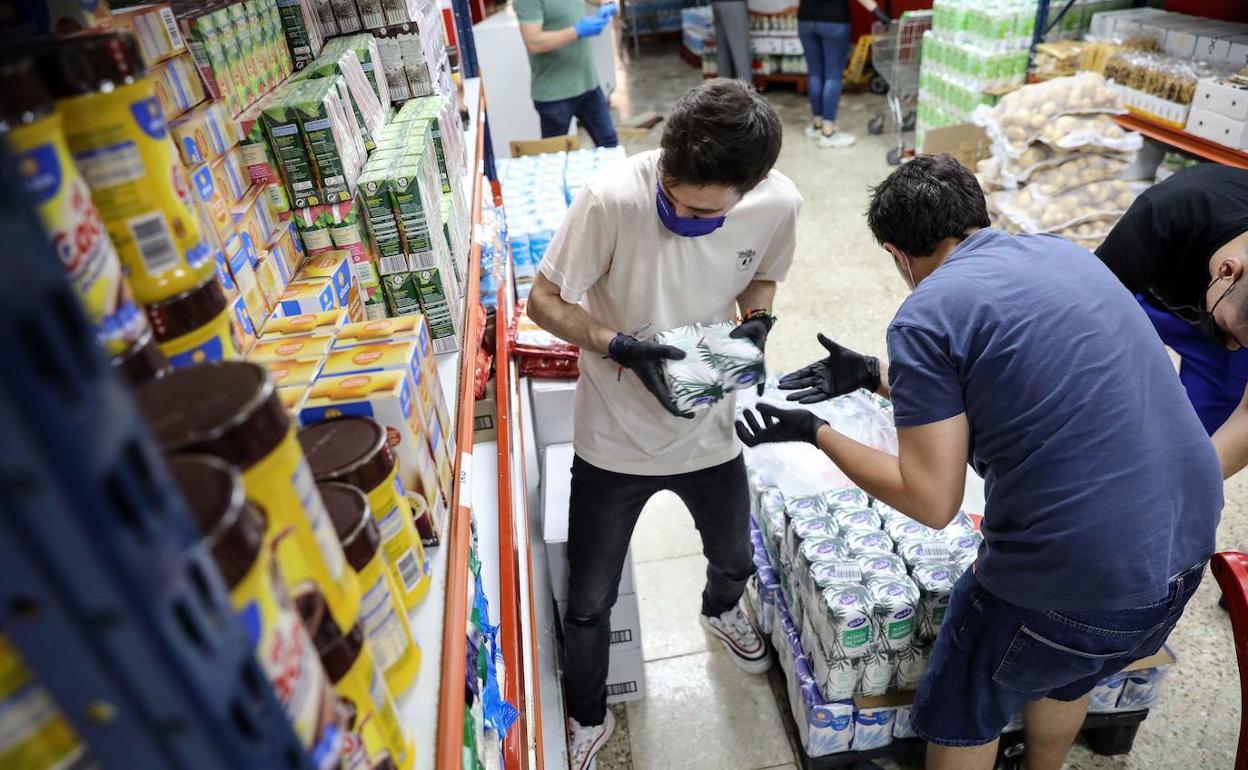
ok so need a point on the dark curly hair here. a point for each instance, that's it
(720, 133)
(931, 198)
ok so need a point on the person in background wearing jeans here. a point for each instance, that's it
(1024, 353)
(700, 231)
(563, 82)
(823, 26)
(733, 56)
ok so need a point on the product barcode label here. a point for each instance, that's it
(409, 570)
(154, 242)
(393, 264)
(171, 26)
(623, 688)
(622, 636)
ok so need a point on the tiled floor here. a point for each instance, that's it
(699, 710)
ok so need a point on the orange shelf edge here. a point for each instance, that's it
(449, 751)
(1184, 141)
(539, 748)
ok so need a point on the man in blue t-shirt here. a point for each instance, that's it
(1024, 353)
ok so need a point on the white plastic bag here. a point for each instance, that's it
(1030, 211)
(1020, 117)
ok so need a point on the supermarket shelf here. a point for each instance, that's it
(1184, 141)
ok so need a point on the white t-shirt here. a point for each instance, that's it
(613, 256)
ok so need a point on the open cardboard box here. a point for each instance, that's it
(967, 143)
(566, 143)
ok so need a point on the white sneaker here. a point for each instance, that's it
(812, 132)
(584, 742)
(735, 631)
(838, 141)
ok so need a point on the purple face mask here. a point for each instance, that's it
(688, 227)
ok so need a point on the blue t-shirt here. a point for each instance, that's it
(1101, 483)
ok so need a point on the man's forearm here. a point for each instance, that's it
(544, 41)
(879, 474)
(758, 295)
(571, 322)
(1231, 440)
(884, 390)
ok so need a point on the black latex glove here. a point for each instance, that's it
(755, 329)
(843, 371)
(646, 359)
(778, 425)
(881, 15)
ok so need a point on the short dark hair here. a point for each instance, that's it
(721, 133)
(925, 201)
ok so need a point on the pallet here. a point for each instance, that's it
(763, 82)
(1106, 735)
(692, 59)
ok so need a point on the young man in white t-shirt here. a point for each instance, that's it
(697, 232)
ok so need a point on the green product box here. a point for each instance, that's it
(301, 42)
(408, 203)
(245, 46)
(347, 17)
(281, 123)
(437, 303)
(374, 190)
(401, 294)
(325, 144)
(371, 14)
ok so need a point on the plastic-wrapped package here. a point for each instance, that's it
(935, 581)
(1104, 697)
(857, 518)
(879, 565)
(1140, 689)
(876, 669)
(1088, 132)
(895, 599)
(849, 497)
(909, 665)
(901, 725)
(873, 728)
(915, 552)
(1020, 117)
(1030, 211)
(1077, 171)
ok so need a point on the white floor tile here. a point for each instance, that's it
(701, 711)
(670, 596)
(665, 530)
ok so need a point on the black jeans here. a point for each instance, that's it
(590, 108)
(602, 512)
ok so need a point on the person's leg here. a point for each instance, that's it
(602, 512)
(556, 116)
(593, 113)
(812, 49)
(719, 500)
(1050, 727)
(981, 757)
(723, 45)
(742, 56)
(836, 52)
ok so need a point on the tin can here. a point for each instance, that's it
(233, 532)
(34, 734)
(231, 410)
(34, 133)
(354, 450)
(116, 131)
(375, 734)
(143, 361)
(385, 619)
(196, 326)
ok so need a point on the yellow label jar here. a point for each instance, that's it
(233, 530)
(385, 620)
(33, 132)
(34, 735)
(354, 450)
(195, 327)
(116, 131)
(375, 734)
(231, 410)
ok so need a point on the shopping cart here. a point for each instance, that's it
(895, 56)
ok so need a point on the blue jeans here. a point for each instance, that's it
(992, 658)
(590, 108)
(826, 46)
(1215, 378)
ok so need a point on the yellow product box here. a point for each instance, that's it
(269, 275)
(254, 214)
(293, 371)
(203, 134)
(336, 266)
(177, 85)
(389, 398)
(323, 324)
(241, 257)
(286, 243)
(228, 175)
(292, 397)
(303, 297)
(154, 28)
(212, 201)
(243, 326)
(291, 348)
(389, 329)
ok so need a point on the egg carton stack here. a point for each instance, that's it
(867, 587)
(1058, 159)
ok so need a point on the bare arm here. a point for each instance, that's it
(538, 40)
(1231, 440)
(758, 295)
(566, 320)
(926, 480)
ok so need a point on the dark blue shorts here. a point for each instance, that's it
(992, 658)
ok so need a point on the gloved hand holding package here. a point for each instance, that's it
(716, 364)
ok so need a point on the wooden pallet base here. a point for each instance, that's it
(763, 82)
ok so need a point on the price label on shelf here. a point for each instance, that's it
(465, 480)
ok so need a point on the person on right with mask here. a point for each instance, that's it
(1023, 353)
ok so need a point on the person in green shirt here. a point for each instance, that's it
(564, 83)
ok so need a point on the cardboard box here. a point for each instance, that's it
(213, 201)
(177, 85)
(294, 371)
(553, 402)
(293, 398)
(625, 621)
(626, 675)
(521, 148)
(303, 297)
(968, 144)
(155, 30)
(556, 490)
(269, 275)
(333, 265)
(243, 325)
(1221, 98)
(323, 324)
(439, 306)
(1218, 128)
(203, 134)
(242, 259)
(389, 398)
(285, 245)
(390, 329)
(290, 348)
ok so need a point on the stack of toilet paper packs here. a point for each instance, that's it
(854, 592)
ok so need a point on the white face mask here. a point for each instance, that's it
(906, 261)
